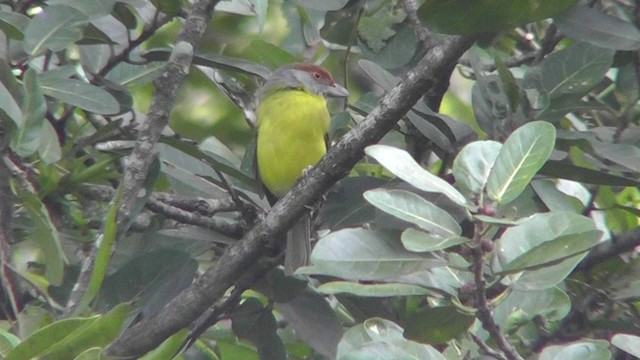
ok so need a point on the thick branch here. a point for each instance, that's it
(211, 286)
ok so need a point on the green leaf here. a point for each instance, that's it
(82, 95)
(411, 207)
(521, 156)
(93, 353)
(481, 16)
(101, 262)
(98, 333)
(627, 343)
(581, 350)
(126, 74)
(419, 241)
(268, 54)
(591, 25)
(575, 70)
(13, 24)
(47, 337)
(360, 254)
(169, 348)
(553, 251)
(534, 232)
(325, 5)
(170, 8)
(314, 320)
(8, 341)
(371, 290)
(93, 9)
(569, 171)
(47, 236)
(402, 165)
(473, 163)
(26, 139)
(252, 321)
(55, 28)
(216, 61)
(382, 339)
(49, 148)
(518, 306)
(437, 325)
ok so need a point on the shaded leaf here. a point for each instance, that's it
(588, 24)
(473, 163)
(437, 325)
(13, 24)
(419, 241)
(479, 16)
(412, 208)
(365, 255)
(581, 350)
(384, 339)
(55, 28)
(82, 95)
(627, 343)
(371, 290)
(26, 139)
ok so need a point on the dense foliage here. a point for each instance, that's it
(497, 217)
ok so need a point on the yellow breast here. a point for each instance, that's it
(291, 129)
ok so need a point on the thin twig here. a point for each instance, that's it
(483, 308)
(486, 348)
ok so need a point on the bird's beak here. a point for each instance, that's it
(337, 91)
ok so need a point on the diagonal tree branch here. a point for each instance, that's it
(212, 285)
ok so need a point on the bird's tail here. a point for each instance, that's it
(298, 248)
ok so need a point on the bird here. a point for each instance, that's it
(292, 122)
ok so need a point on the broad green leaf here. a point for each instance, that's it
(371, 290)
(215, 60)
(48, 336)
(437, 325)
(518, 306)
(47, 236)
(419, 241)
(126, 74)
(8, 341)
(107, 239)
(402, 165)
(325, 5)
(581, 350)
(591, 25)
(365, 255)
(253, 322)
(574, 233)
(553, 251)
(473, 163)
(555, 199)
(481, 16)
(10, 112)
(232, 349)
(26, 139)
(98, 333)
(55, 28)
(383, 339)
(91, 8)
(169, 7)
(78, 93)
(627, 343)
(267, 54)
(90, 354)
(569, 171)
(13, 24)
(412, 208)
(521, 156)
(314, 320)
(169, 348)
(575, 69)
(49, 148)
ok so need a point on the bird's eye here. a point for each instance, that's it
(316, 76)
